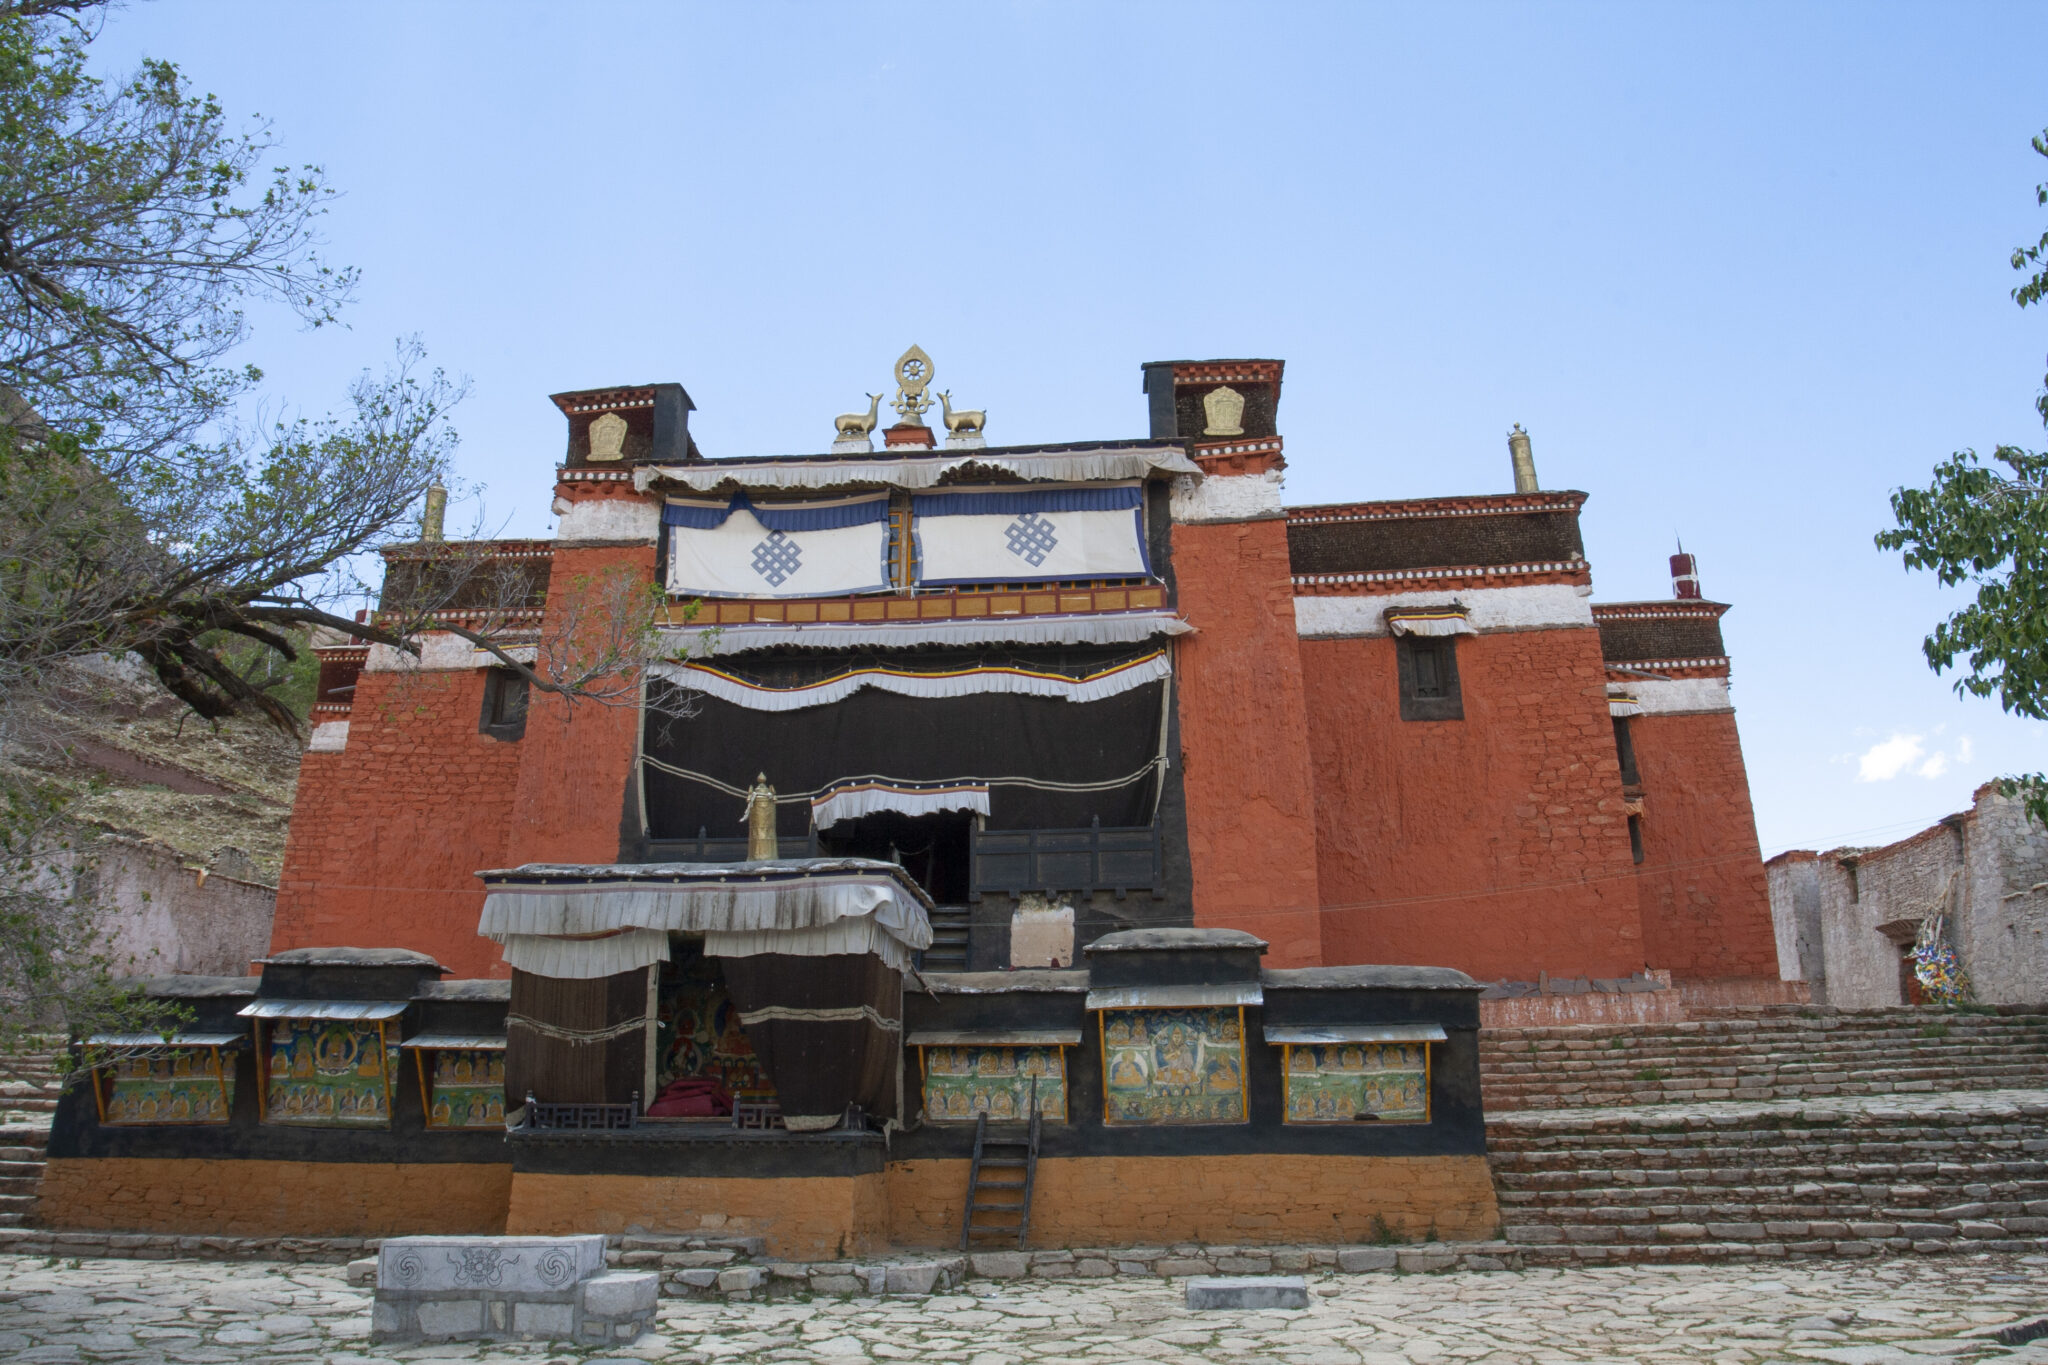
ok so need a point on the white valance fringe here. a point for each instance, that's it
(705, 907)
(1035, 783)
(1120, 628)
(715, 684)
(1062, 466)
(580, 959)
(830, 940)
(852, 805)
(1429, 625)
(1622, 707)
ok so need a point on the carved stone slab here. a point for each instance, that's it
(488, 1265)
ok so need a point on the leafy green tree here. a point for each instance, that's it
(1985, 525)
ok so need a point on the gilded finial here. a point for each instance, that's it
(913, 373)
(760, 817)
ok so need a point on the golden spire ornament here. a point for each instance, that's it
(913, 375)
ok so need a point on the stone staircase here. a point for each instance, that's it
(1763, 1054)
(1850, 1176)
(28, 1102)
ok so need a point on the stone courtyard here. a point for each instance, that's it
(1870, 1312)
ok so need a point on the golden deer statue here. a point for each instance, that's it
(855, 426)
(963, 423)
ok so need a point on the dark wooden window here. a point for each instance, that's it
(504, 713)
(1625, 749)
(1429, 677)
(1635, 837)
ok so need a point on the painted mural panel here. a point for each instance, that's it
(1173, 1066)
(698, 1032)
(469, 1088)
(1337, 1082)
(174, 1086)
(962, 1082)
(328, 1073)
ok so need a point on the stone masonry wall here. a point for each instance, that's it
(1244, 748)
(1987, 867)
(1706, 906)
(164, 917)
(1495, 844)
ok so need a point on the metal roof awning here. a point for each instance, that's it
(1175, 997)
(1016, 1037)
(1355, 1033)
(474, 1042)
(175, 1040)
(369, 1010)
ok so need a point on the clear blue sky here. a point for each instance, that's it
(1740, 270)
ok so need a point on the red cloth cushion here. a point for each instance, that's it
(691, 1097)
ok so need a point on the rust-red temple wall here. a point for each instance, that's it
(1496, 844)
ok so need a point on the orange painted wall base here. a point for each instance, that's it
(1079, 1201)
(1265, 1198)
(237, 1198)
(806, 1218)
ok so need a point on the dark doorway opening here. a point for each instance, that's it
(934, 849)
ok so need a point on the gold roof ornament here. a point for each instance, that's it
(914, 371)
(761, 841)
(852, 431)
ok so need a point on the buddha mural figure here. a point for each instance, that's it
(1176, 1057)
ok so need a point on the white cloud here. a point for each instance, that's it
(1963, 750)
(1885, 760)
(1933, 767)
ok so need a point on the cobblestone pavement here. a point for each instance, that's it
(1899, 1312)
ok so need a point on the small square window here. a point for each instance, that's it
(1429, 677)
(504, 710)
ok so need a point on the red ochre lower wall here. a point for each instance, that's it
(250, 1198)
(1264, 1199)
(1078, 1201)
(1496, 844)
(388, 834)
(1705, 899)
(807, 1218)
(1244, 756)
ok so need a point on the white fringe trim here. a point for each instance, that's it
(582, 959)
(705, 907)
(831, 940)
(1623, 707)
(1077, 467)
(712, 683)
(1436, 625)
(1121, 628)
(852, 805)
(850, 1014)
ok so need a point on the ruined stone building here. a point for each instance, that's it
(1848, 920)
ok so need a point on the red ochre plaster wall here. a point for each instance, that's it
(1268, 1198)
(576, 759)
(1706, 901)
(388, 834)
(810, 1218)
(1496, 844)
(232, 1197)
(1243, 738)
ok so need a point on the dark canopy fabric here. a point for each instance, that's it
(924, 739)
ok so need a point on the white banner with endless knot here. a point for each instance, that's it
(743, 558)
(1021, 547)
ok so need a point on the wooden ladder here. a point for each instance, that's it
(1015, 1160)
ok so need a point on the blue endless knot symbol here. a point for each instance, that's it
(776, 558)
(1031, 538)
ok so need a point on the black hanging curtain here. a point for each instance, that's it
(984, 735)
